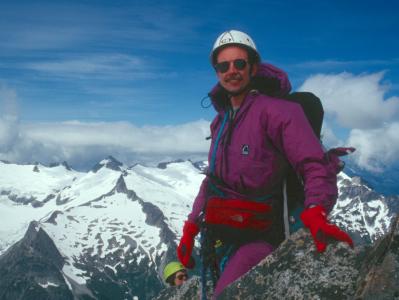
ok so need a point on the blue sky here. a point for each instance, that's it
(143, 65)
(147, 61)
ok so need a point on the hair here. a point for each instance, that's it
(253, 57)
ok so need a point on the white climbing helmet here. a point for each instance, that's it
(234, 37)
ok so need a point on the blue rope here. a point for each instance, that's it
(216, 190)
(203, 102)
(215, 146)
(262, 198)
(226, 257)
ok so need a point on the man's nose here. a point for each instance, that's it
(232, 68)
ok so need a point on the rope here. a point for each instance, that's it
(203, 101)
(286, 222)
(215, 146)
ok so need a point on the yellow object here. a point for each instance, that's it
(218, 243)
(172, 268)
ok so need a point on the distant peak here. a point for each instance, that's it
(163, 165)
(57, 164)
(109, 162)
(201, 165)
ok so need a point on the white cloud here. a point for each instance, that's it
(112, 67)
(75, 25)
(90, 64)
(377, 148)
(180, 138)
(356, 101)
(329, 138)
(83, 144)
(342, 64)
(97, 66)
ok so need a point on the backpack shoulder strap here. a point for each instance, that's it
(293, 192)
(312, 108)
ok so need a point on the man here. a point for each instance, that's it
(175, 274)
(255, 137)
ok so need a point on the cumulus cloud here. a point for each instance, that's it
(329, 137)
(188, 137)
(358, 103)
(377, 148)
(83, 144)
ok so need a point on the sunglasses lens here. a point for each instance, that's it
(240, 64)
(222, 67)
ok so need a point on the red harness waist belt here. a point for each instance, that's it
(238, 213)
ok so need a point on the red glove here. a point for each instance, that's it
(315, 219)
(185, 248)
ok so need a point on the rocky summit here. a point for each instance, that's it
(297, 271)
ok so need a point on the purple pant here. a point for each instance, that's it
(246, 257)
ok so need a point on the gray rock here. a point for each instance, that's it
(190, 290)
(31, 269)
(297, 271)
(380, 272)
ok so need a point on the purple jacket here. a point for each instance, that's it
(255, 148)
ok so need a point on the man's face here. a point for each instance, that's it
(235, 79)
(180, 277)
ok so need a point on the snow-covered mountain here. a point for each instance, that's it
(361, 211)
(29, 192)
(116, 226)
(112, 220)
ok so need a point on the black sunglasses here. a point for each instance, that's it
(181, 276)
(224, 66)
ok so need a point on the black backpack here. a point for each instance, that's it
(288, 202)
(314, 112)
(295, 194)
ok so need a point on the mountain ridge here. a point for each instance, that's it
(116, 228)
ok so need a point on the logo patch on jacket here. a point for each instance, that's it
(245, 149)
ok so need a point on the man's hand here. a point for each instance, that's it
(315, 218)
(185, 248)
